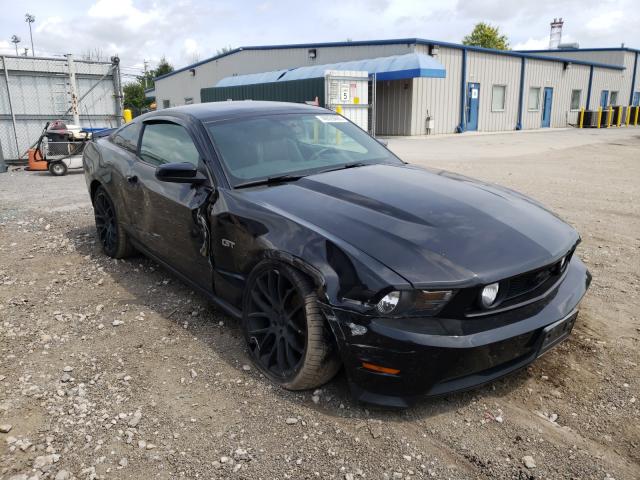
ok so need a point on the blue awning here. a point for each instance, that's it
(396, 67)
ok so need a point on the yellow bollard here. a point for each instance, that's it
(635, 121)
(628, 115)
(619, 116)
(127, 115)
(599, 116)
(609, 116)
(581, 122)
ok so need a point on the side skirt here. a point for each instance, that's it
(217, 301)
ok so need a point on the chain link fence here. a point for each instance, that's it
(34, 91)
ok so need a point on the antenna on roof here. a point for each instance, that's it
(555, 37)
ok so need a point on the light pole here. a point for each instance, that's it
(15, 40)
(30, 19)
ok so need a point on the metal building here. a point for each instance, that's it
(35, 90)
(482, 89)
(627, 58)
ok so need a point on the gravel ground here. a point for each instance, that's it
(115, 369)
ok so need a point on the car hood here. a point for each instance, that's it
(432, 228)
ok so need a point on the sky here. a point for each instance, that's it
(189, 30)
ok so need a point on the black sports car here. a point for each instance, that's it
(332, 251)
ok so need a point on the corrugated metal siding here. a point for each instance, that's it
(621, 79)
(176, 87)
(393, 107)
(541, 74)
(438, 97)
(608, 57)
(297, 91)
(611, 80)
(637, 85)
(489, 70)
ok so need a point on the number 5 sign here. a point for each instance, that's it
(344, 94)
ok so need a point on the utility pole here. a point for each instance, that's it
(73, 89)
(117, 87)
(145, 73)
(15, 40)
(30, 19)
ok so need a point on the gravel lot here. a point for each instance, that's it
(115, 369)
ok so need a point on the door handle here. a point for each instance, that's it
(132, 179)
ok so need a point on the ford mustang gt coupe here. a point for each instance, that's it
(331, 251)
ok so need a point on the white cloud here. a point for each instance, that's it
(7, 48)
(606, 21)
(532, 44)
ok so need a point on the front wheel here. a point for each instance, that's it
(286, 333)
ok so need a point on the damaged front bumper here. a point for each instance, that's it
(435, 356)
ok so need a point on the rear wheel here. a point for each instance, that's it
(285, 331)
(58, 169)
(112, 236)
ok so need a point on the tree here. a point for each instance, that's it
(487, 36)
(134, 98)
(223, 50)
(164, 67)
(95, 54)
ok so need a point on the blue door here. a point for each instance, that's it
(546, 107)
(473, 102)
(604, 98)
(636, 99)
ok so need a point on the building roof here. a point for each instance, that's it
(395, 67)
(603, 49)
(408, 41)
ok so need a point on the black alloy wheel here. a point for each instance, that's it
(276, 324)
(286, 333)
(106, 222)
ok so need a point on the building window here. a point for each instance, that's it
(497, 98)
(188, 100)
(575, 99)
(614, 99)
(534, 99)
(166, 104)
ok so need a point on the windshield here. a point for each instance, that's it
(292, 145)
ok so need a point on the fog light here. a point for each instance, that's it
(489, 294)
(389, 302)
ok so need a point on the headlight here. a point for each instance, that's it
(489, 294)
(388, 303)
(430, 302)
(414, 302)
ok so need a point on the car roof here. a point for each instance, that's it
(211, 111)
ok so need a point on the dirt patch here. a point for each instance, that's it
(115, 369)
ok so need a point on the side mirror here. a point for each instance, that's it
(383, 142)
(182, 172)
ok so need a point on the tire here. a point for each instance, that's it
(57, 169)
(296, 329)
(111, 235)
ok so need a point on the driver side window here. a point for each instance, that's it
(167, 143)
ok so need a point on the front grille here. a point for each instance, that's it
(514, 292)
(531, 284)
(531, 281)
